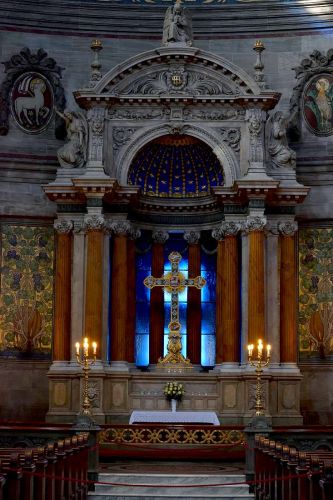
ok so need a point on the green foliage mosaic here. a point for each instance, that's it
(26, 302)
(316, 294)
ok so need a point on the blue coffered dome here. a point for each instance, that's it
(176, 167)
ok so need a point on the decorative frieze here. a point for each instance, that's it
(138, 113)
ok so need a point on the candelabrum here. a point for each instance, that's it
(262, 359)
(82, 357)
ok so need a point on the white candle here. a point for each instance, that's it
(85, 345)
(94, 346)
(77, 347)
(269, 350)
(260, 347)
(250, 349)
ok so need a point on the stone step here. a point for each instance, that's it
(124, 488)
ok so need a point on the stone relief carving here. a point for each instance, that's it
(63, 226)
(255, 118)
(281, 155)
(94, 393)
(96, 132)
(74, 153)
(48, 69)
(177, 80)
(177, 25)
(160, 236)
(231, 136)
(216, 114)
(121, 135)
(138, 114)
(287, 228)
(316, 64)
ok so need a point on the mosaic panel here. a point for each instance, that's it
(26, 301)
(316, 294)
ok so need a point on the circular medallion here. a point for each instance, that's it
(32, 102)
(317, 104)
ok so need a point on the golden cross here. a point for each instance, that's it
(174, 282)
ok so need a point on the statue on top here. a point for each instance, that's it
(177, 27)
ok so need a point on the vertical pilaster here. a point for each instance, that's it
(156, 323)
(62, 300)
(119, 292)
(193, 319)
(227, 294)
(256, 280)
(288, 297)
(94, 225)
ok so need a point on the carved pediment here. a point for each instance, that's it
(177, 80)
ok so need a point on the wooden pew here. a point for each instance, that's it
(42, 473)
(310, 474)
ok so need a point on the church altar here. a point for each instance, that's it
(174, 417)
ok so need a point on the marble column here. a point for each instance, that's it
(62, 299)
(119, 292)
(256, 279)
(288, 292)
(94, 226)
(156, 322)
(227, 294)
(131, 294)
(193, 320)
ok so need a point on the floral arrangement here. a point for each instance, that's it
(174, 390)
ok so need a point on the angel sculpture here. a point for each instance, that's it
(177, 25)
(73, 153)
(281, 154)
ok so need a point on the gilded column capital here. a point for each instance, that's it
(192, 237)
(254, 224)
(94, 223)
(287, 228)
(160, 237)
(227, 228)
(63, 226)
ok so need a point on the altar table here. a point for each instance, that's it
(174, 417)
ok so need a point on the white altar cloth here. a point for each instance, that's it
(174, 417)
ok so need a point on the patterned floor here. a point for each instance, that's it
(166, 467)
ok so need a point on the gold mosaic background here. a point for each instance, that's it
(26, 301)
(316, 294)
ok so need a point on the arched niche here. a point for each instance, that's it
(222, 151)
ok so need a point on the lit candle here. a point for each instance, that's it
(260, 347)
(250, 349)
(85, 345)
(269, 350)
(77, 347)
(94, 346)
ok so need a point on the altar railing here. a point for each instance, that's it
(159, 440)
